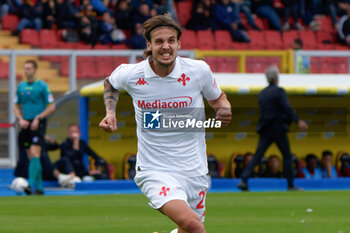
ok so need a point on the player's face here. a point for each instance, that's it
(164, 46)
(29, 70)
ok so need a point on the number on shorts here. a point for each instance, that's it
(200, 204)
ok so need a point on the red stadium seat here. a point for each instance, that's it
(212, 62)
(240, 46)
(257, 40)
(289, 37)
(260, 23)
(326, 24)
(30, 36)
(64, 68)
(105, 67)
(102, 46)
(206, 40)
(48, 38)
(189, 39)
(325, 37)
(10, 22)
(119, 46)
(184, 10)
(273, 39)
(309, 39)
(223, 40)
(4, 74)
(87, 69)
(228, 65)
(81, 45)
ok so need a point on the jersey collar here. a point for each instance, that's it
(149, 73)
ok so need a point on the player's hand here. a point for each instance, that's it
(109, 123)
(303, 126)
(35, 124)
(224, 115)
(23, 123)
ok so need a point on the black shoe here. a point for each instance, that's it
(294, 188)
(38, 192)
(243, 186)
(28, 190)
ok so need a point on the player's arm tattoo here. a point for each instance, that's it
(110, 96)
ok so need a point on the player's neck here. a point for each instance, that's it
(161, 69)
(31, 79)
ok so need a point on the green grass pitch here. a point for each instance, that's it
(262, 212)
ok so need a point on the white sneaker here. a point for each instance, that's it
(72, 182)
(63, 179)
(174, 231)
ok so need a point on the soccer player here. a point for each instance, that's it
(34, 102)
(171, 166)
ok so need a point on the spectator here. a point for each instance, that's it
(201, 18)
(308, 12)
(109, 33)
(68, 15)
(74, 149)
(88, 26)
(31, 14)
(123, 15)
(137, 40)
(291, 7)
(312, 169)
(227, 19)
(245, 7)
(272, 170)
(100, 6)
(241, 165)
(49, 13)
(143, 14)
(265, 9)
(332, 8)
(160, 7)
(328, 170)
(343, 29)
(4, 8)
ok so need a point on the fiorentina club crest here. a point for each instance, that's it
(183, 79)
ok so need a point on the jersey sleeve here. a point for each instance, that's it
(18, 99)
(47, 94)
(211, 89)
(118, 78)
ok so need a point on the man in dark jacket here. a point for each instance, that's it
(275, 116)
(74, 149)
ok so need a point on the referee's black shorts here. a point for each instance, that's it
(29, 137)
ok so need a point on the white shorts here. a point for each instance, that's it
(161, 188)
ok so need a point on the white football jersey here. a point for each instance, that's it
(184, 87)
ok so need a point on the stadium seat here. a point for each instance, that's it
(102, 46)
(228, 65)
(255, 64)
(309, 40)
(48, 38)
(273, 39)
(212, 62)
(64, 68)
(81, 45)
(10, 22)
(326, 24)
(30, 36)
(257, 40)
(260, 23)
(223, 40)
(324, 37)
(119, 46)
(288, 38)
(206, 40)
(189, 39)
(87, 69)
(50, 58)
(184, 10)
(240, 46)
(129, 166)
(4, 74)
(105, 67)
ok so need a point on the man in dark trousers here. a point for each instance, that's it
(275, 116)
